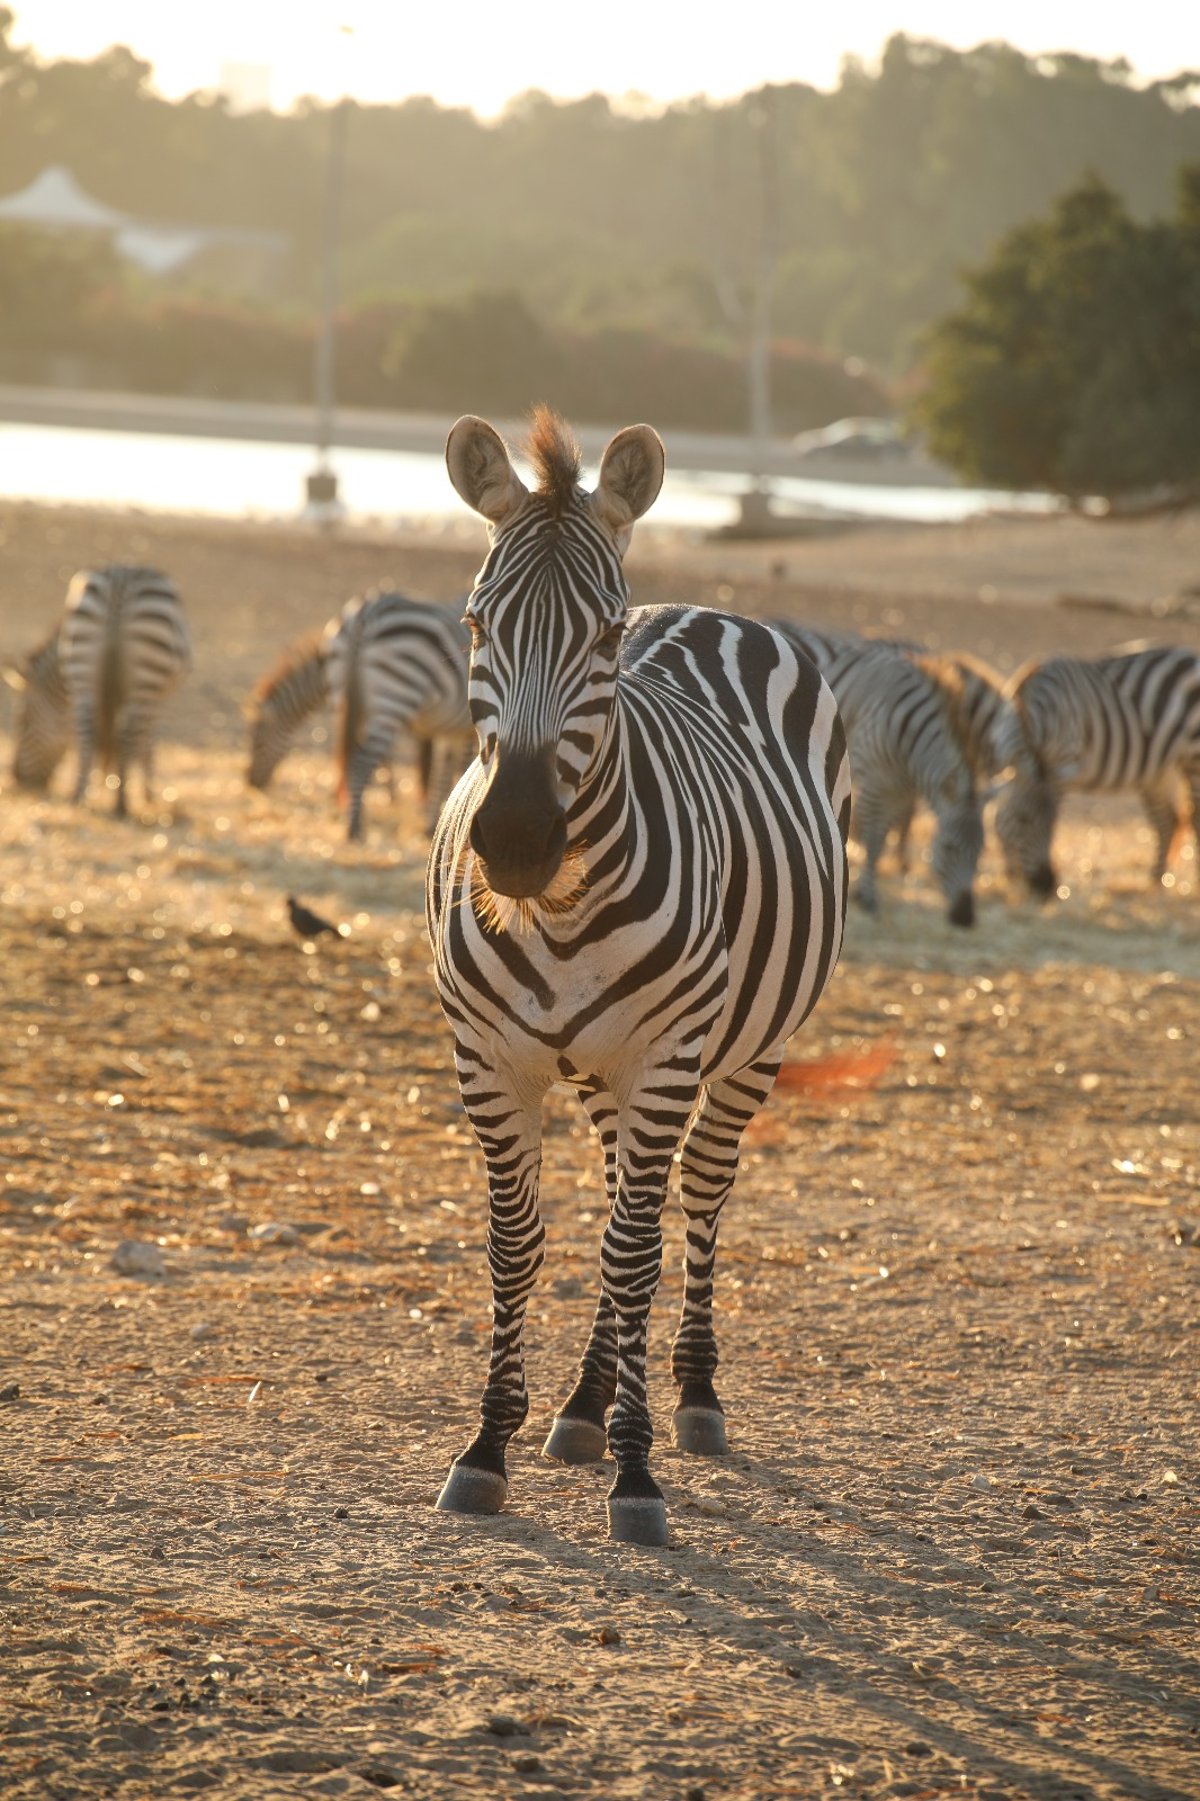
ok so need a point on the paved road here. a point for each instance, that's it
(187, 416)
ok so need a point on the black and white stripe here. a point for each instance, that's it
(123, 648)
(282, 703)
(904, 747)
(44, 720)
(394, 664)
(1128, 722)
(980, 710)
(638, 889)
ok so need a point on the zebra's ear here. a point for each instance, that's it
(631, 473)
(479, 467)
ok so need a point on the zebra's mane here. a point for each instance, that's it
(303, 650)
(556, 459)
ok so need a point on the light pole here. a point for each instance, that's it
(756, 505)
(321, 486)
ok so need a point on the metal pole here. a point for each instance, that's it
(764, 283)
(756, 504)
(322, 484)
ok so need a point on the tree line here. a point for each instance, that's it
(596, 256)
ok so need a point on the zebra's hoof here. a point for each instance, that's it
(637, 1520)
(575, 1441)
(470, 1490)
(700, 1430)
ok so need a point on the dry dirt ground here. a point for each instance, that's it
(954, 1550)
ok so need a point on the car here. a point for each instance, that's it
(879, 440)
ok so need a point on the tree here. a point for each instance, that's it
(1074, 364)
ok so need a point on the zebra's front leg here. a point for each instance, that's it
(709, 1165)
(508, 1126)
(578, 1434)
(871, 821)
(365, 760)
(1158, 799)
(652, 1125)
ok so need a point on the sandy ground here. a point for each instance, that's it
(954, 1550)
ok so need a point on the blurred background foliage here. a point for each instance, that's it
(1074, 362)
(581, 253)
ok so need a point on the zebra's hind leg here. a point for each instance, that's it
(578, 1433)
(85, 743)
(709, 1165)
(508, 1126)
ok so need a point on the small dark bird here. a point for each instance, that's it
(307, 923)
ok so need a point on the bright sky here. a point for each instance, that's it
(472, 53)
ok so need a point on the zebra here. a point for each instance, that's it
(1126, 721)
(903, 745)
(979, 706)
(393, 663)
(44, 721)
(122, 646)
(281, 702)
(637, 889)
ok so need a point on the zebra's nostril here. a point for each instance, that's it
(512, 838)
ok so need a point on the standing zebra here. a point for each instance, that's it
(903, 745)
(1119, 722)
(44, 722)
(393, 663)
(286, 697)
(123, 647)
(638, 889)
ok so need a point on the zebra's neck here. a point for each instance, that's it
(601, 818)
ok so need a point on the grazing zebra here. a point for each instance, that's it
(637, 889)
(281, 703)
(393, 663)
(980, 710)
(44, 721)
(123, 646)
(903, 746)
(1119, 722)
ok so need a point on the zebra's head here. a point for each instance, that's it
(1025, 816)
(546, 615)
(44, 722)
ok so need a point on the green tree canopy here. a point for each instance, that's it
(1074, 364)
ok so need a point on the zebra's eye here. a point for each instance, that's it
(610, 640)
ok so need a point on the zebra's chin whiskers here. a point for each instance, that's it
(519, 914)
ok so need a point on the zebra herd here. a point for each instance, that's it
(923, 729)
(637, 885)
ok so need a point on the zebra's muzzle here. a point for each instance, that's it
(519, 831)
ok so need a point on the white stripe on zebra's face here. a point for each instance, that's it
(546, 619)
